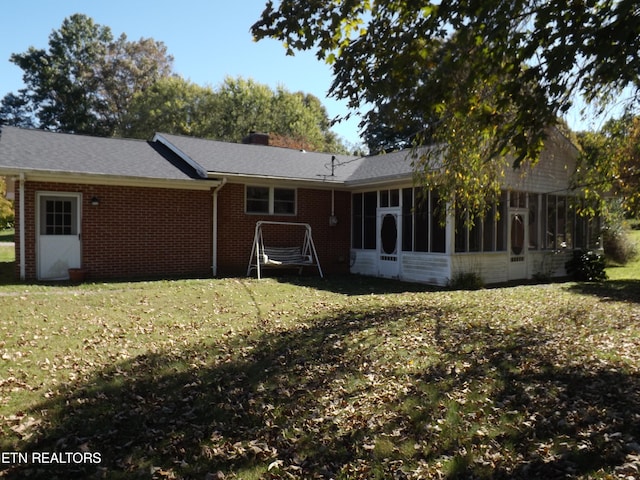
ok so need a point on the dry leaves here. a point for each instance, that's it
(278, 381)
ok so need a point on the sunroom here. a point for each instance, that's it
(399, 233)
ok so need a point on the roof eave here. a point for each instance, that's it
(404, 177)
(109, 180)
(322, 181)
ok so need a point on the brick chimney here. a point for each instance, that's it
(256, 138)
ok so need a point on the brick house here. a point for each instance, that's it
(182, 206)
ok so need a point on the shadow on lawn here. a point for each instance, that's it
(313, 403)
(616, 290)
(354, 284)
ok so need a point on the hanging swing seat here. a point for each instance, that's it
(263, 256)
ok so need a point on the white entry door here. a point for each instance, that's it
(58, 243)
(518, 246)
(389, 242)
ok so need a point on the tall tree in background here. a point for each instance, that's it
(487, 77)
(170, 105)
(61, 85)
(84, 81)
(16, 110)
(229, 112)
(129, 67)
(87, 82)
(609, 170)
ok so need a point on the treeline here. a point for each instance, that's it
(89, 82)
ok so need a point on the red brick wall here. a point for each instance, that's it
(236, 229)
(155, 232)
(134, 232)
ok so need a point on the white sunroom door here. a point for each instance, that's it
(389, 242)
(58, 235)
(518, 235)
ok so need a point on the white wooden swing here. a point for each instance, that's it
(263, 256)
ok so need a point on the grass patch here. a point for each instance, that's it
(7, 235)
(7, 257)
(345, 378)
(630, 271)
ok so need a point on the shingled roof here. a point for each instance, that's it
(25, 150)
(224, 158)
(176, 157)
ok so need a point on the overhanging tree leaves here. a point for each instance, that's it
(486, 77)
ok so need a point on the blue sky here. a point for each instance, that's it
(209, 39)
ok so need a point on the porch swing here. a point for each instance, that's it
(263, 256)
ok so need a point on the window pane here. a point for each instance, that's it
(501, 224)
(551, 228)
(422, 223)
(356, 240)
(475, 235)
(384, 198)
(561, 207)
(461, 232)
(488, 230)
(394, 198)
(438, 231)
(58, 217)
(533, 221)
(284, 201)
(407, 219)
(258, 199)
(370, 205)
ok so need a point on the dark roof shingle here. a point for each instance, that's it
(264, 161)
(43, 151)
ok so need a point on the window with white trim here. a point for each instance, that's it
(270, 200)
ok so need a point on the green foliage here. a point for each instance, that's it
(487, 78)
(466, 281)
(84, 81)
(7, 216)
(609, 170)
(16, 110)
(229, 112)
(586, 266)
(630, 270)
(170, 105)
(88, 82)
(618, 246)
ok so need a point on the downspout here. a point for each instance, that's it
(23, 266)
(214, 246)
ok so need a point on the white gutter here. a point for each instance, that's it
(21, 260)
(214, 246)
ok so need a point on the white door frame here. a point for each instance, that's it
(57, 252)
(388, 253)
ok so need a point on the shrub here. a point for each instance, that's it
(586, 266)
(466, 281)
(618, 247)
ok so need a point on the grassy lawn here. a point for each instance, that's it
(345, 378)
(7, 257)
(7, 235)
(631, 270)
